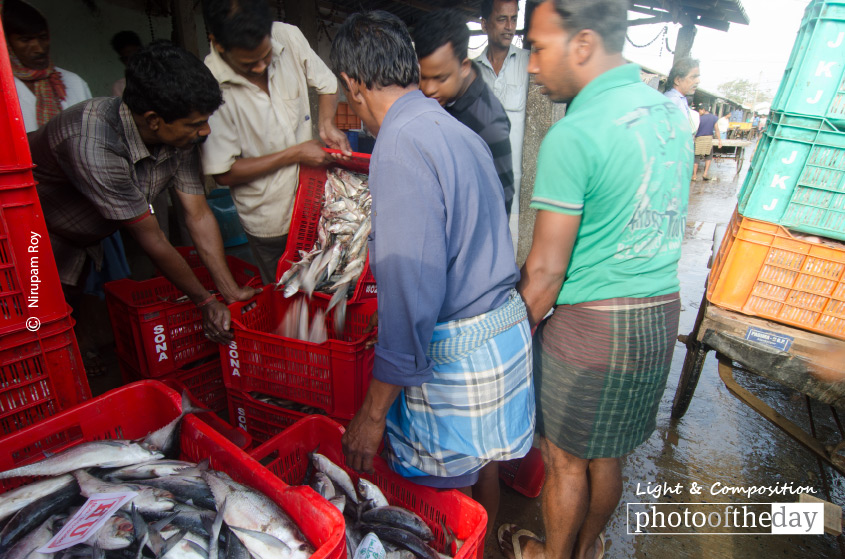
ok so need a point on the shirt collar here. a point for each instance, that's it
(137, 148)
(616, 77)
(486, 61)
(471, 94)
(224, 73)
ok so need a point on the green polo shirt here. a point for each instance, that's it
(622, 160)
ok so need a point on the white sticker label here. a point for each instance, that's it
(88, 520)
(370, 548)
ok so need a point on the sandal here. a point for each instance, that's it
(603, 541)
(516, 533)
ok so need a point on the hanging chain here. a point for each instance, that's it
(148, 4)
(670, 49)
(659, 33)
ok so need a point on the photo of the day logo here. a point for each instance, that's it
(724, 518)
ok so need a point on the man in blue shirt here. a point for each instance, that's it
(451, 388)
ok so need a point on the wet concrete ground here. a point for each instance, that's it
(720, 439)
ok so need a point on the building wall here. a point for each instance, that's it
(79, 39)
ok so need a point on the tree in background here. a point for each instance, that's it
(745, 91)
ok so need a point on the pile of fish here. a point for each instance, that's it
(337, 259)
(182, 510)
(296, 324)
(402, 533)
(287, 404)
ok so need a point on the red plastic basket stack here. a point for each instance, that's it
(41, 371)
(203, 380)
(332, 376)
(157, 330)
(133, 411)
(525, 475)
(306, 216)
(286, 456)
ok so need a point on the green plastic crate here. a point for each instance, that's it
(814, 80)
(797, 176)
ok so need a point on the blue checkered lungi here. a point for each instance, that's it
(479, 407)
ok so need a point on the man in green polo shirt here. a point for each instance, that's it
(611, 193)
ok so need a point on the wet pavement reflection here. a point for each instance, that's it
(720, 439)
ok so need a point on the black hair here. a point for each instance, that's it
(123, 39)
(170, 81)
(20, 18)
(487, 7)
(375, 49)
(608, 18)
(436, 29)
(238, 23)
(680, 69)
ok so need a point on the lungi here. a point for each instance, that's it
(600, 369)
(704, 146)
(478, 407)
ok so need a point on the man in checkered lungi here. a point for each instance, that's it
(611, 193)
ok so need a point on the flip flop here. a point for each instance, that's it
(603, 541)
(516, 533)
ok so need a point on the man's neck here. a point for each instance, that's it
(147, 135)
(380, 101)
(467, 82)
(496, 55)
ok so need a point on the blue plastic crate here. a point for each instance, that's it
(814, 80)
(797, 176)
(223, 207)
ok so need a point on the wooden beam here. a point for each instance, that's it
(665, 18)
(184, 26)
(427, 7)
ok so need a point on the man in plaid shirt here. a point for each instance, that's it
(100, 164)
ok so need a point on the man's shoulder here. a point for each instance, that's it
(71, 77)
(286, 34)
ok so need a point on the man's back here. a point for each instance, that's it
(707, 124)
(626, 168)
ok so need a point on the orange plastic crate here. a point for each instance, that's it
(763, 270)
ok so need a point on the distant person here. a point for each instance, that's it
(263, 131)
(724, 125)
(44, 90)
(449, 77)
(708, 128)
(682, 82)
(504, 67)
(125, 44)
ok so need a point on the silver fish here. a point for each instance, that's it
(323, 486)
(250, 510)
(14, 500)
(370, 492)
(149, 470)
(166, 438)
(185, 489)
(339, 503)
(116, 533)
(338, 476)
(401, 518)
(264, 546)
(25, 548)
(148, 498)
(105, 454)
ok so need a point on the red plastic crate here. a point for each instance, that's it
(525, 475)
(237, 437)
(260, 420)
(286, 455)
(192, 257)
(332, 376)
(30, 288)
(345, 118)
(41, 374)
(203, 380)
(133, 411)
(155, 334)
(306, 216)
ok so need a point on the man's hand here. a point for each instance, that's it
(372, 328)
(216, 322)
(242, 293)
(311, 153)
(335, 139)
(361, 441)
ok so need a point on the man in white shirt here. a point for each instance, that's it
(504, 68)
(262, 133)
(43, 90)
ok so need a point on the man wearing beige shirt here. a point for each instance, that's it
(262, 133)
